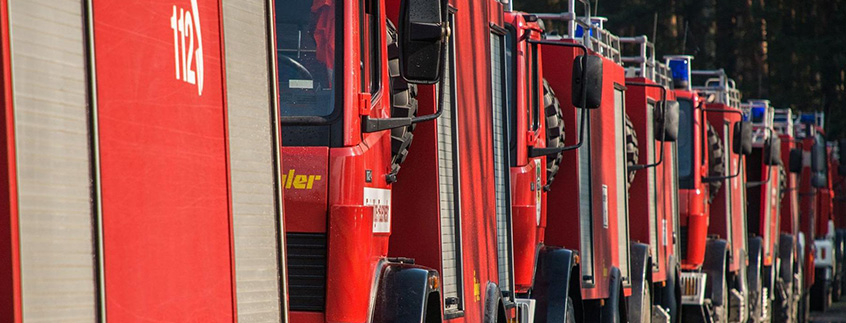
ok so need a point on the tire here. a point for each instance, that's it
(631, 151)
(554, 131)
(403, 102)
(721, 313)
(716, 163)
(783, 309)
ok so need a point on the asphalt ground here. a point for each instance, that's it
(835, 313)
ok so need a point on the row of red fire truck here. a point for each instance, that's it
(440, 161)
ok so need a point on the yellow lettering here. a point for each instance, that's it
(289, 179)
(311, 179)
(300, 182)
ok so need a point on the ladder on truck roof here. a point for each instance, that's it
(596, 38)
(722, 88)
(645, 64)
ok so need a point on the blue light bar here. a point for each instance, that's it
(807, 118)
(758, 114)
(680, 68)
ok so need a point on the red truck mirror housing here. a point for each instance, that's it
(423, 34)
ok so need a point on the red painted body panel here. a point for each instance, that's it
(10, 275)
(661, 215)
(528, 228)
(166, 213)
(563, 202)
(305, 181)
(789, 210)
(808, 208)
(733, 231)
(694, 210)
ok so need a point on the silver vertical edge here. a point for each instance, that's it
(277, 172)
(88, 13)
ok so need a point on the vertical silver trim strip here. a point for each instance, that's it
(88, 12)
(281, 253)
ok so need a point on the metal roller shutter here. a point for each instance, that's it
(448, 184)
(53, 160)
(253, 160)
(501, 170)
(622, 196)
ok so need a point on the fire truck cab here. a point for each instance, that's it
(763, 171)
(713, 138)
(653, 199)
(586, 261)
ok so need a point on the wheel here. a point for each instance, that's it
(554, 131)
(756, 301)
(403, 102)
(783, 310)
(631, 150)
(716, 162)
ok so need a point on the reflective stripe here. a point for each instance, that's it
(53, 161)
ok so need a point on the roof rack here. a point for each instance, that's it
(762, 116)
(722, 88)
(802, 120)
(783, 121)
(597, 38)
(645, 64)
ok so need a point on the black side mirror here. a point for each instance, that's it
(795, 162)
(818, 158)
(742, 143)
(818, 180)
(423, 33)
(592, 82)
(667, 121)
(772, 150)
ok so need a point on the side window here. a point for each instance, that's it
(449, 189)
(369, 31)
(511, 89)
(532, 94)
(501, 162)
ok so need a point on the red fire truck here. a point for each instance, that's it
(653, 207)
(790, 286)
(583, 267)
(763, 171)
(141, 170)
(712, 194)
(816, 214)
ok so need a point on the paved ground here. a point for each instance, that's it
(836, 313)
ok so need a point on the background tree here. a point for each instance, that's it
(792, 52)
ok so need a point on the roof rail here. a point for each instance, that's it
(783, 122)
(720, 86)
(597, 38)
(645, 64)
(762, 116)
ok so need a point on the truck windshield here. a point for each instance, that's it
(685, 143)
(308, 55)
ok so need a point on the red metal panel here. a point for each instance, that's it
(305, 182)
(164, 173)
(10, 275)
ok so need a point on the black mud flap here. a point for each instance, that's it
(407, 293)
(639, 270)
(552, 284)
(754, 273)
(494, 304)
(714, 267)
